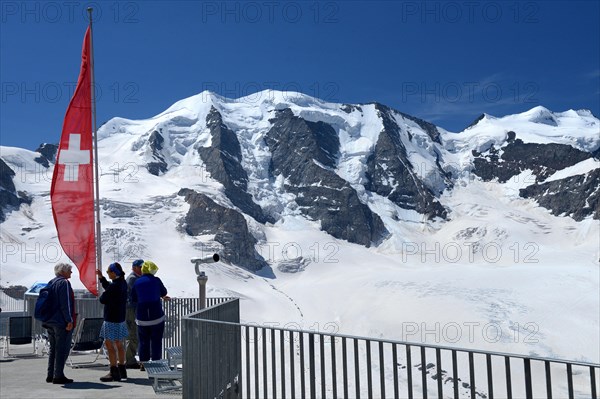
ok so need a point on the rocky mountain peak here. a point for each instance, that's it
(360, 173)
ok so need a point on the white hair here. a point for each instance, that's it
(61, 268)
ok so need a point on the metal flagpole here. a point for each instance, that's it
(96, 173)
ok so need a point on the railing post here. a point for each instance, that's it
(322, 355)
(264, 362)
(282, 357)
(256, 372)
(292, 371)
(438, 360)
(548, 380)
(247, 328)
(490, 376)
(570, 380)
(311, 360)
(528, 386)
(455, 374)
(472, 374)
(273, 364)
(395, 368)
(424, 372)
(381, 370)
(508, 377)
(333, 368)
(345, 367)
(593, 382)
(302, 378)
(409, 372)
(369, 369)
(356, 368)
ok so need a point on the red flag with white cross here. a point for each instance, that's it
(72, 189)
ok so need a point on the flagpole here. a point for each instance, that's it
(96, 173)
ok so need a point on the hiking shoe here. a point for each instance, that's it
(122, 371)
(113, 375)
(62, 380)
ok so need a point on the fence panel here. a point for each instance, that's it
(175, 309)
(212, 358)
(305, 364)
(11, 300)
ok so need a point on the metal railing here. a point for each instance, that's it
(223, 357)
(286, 363)
(212, 352)
(8, 301)
(84, 307)
(175, 309)
(91, 307)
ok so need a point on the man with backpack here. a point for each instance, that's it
(59, 321)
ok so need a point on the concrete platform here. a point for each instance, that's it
(24, 377)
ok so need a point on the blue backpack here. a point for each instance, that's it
(44, 304)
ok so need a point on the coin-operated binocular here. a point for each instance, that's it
(201, 277)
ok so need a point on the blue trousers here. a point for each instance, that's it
(60, 346)
(150, 345)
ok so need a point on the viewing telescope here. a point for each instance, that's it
(208, 259)
(202, 278)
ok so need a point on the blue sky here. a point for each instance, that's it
(443, 61)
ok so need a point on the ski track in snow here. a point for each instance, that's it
(288, 297)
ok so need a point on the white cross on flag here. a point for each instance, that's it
(72, 190)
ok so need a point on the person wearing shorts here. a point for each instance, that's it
(114, 329)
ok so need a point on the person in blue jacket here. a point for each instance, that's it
(114, 329)
(60, 324)
(149, 316)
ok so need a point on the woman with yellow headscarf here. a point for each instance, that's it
(149, 316)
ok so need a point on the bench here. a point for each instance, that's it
(175, 356)
(160, 370)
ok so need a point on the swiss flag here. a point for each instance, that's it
(72, 190)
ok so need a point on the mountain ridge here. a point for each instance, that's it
(273, 154)
(355, 235)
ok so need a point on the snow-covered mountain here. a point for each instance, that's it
(350, 218)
